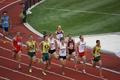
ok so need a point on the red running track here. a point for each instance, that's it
(8, 66)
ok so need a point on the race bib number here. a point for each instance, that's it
(63, 51)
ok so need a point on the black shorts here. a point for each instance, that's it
(5, 29)
(62, 57)
(52, 51)
(31, 54)
(96, 59)
(71, 51)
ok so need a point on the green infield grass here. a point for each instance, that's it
(77, 16)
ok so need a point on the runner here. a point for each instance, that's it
(53, 48)
(5, 21)
(45, 46)
(62, 53)
(59, 33)
(17, 45)
(71, 49)
(81, 50)
(32, 48)
(97, 56)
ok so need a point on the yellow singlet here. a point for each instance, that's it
(46, 46)
(31, 46)
(97, 51)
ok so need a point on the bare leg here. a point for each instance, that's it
(19, 59)
(84, 64)
(30, 65)
(45, 67)
(100, 69)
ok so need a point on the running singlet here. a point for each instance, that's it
(17, 43)
(32, 46)
(62, 49)
(59, 35)
(82, 46)
(71, 44)
(52, 44)
(97, 51)
(5, 21)
(46, 46)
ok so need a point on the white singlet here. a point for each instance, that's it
(82, 46)
(52, 44)
(62, 50)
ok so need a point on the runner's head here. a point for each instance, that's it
(18, 34)
(45, 37)
(51, 35)
(4, 13)
(59, 28)
(31, 37)
(98, 42)
(69, 37)
(81, 37)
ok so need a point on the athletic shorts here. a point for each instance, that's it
(81, 54)
(52, 51)
(5, 29)
(62, 57)
(71, 51)
(96, 59)
(31, 54)
(45, 57)
(17, 50)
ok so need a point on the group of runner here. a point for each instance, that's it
(55, 45)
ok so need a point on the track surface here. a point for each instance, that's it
(8, 66)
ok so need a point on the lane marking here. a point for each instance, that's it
(37, 68)
(9, 4)
(106, 69)
(19, 72)
(83, 11)
(4, 78)
(65, 67)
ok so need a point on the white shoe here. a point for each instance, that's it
(84, 71)
(29, 12)
(30, 70)
(19, 66)
(71, 59)
(44, 73)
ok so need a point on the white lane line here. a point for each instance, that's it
(32, 29)
(65, 67)
(84, 11)
(9, 39)
(106, 69)
(38, 68)
(9, 4)
(19, 72)
(4, 78)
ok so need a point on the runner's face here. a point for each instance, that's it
(98, 43)
(59, 28)
(51, 36)
(70, 37)
(31, 37)
(46, 38)
(81, 38)
(18, 34)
